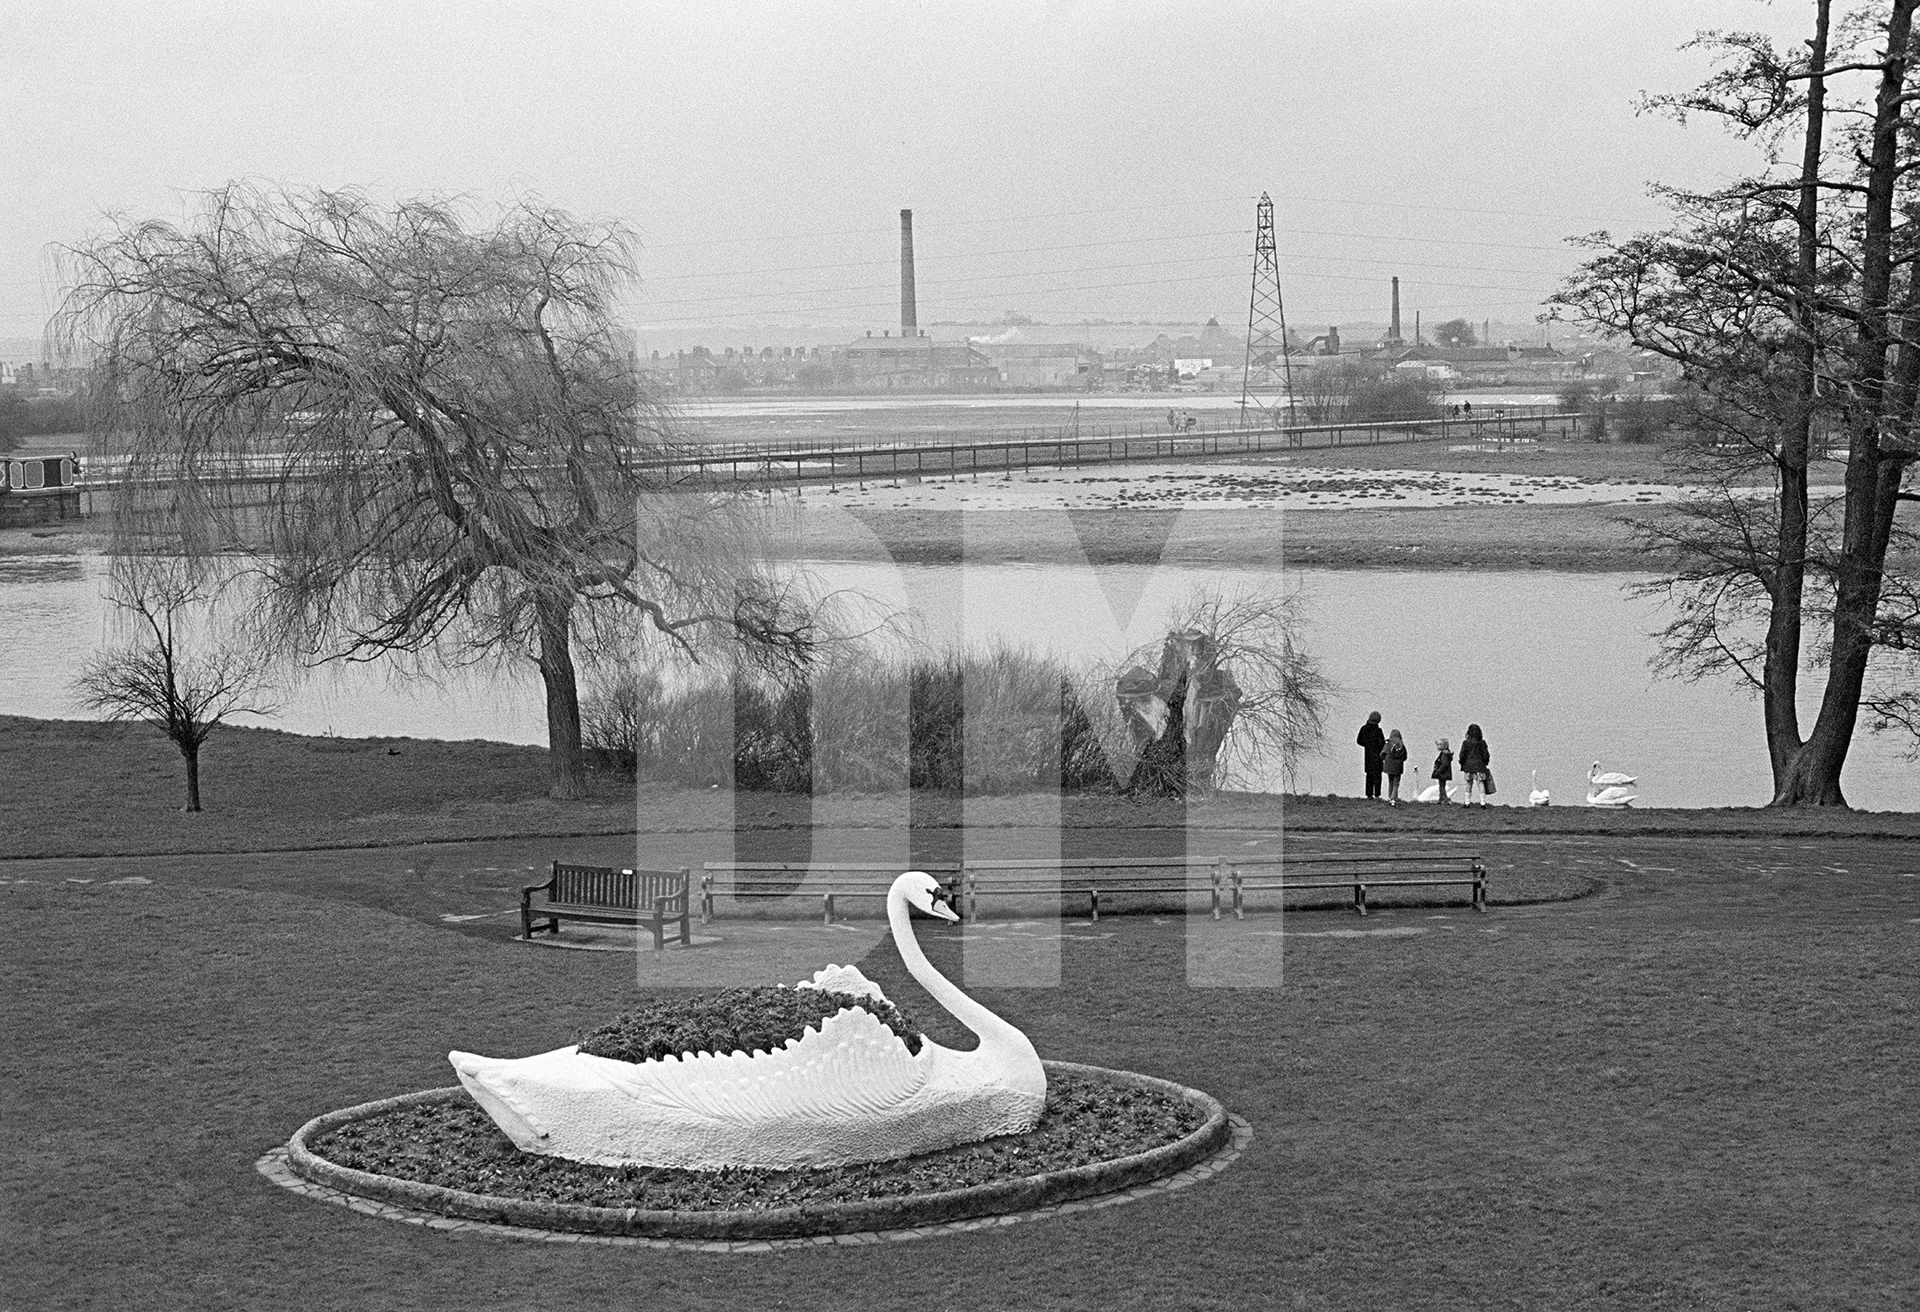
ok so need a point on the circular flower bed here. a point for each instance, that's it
(436, 1151)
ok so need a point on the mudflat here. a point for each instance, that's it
(1467, 537)
(1571, 505)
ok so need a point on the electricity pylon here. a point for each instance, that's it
(1266, 316)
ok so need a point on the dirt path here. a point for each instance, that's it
(473, 888)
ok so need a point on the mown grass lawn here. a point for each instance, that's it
(1694, 1090)
(79, 788)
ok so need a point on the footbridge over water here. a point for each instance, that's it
(978, 453)
(975, 452)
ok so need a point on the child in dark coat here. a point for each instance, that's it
(1443, 767)
(1476, 762)
(1393, 762)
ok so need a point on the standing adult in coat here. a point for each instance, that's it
(1372, 738)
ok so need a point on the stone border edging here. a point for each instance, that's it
(274, 1167)
(909, 1213)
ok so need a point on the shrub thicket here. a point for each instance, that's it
(994, 722)
(1003, 720)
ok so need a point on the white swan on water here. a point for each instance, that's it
(1615, 796)
(1539, 796)
(848, 1091)
(1611, 779)
(1431, 793)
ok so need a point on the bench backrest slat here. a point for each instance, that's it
(609, 886)
(889, 869)
(1096, 863)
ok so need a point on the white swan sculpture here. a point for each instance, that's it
(848, 1091)
(1539, 796)
(1615, 796)
(1611, 779)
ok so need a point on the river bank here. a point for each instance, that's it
(84, 789)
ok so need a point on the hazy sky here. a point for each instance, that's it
(1063, 160)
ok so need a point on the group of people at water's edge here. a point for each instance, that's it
(1383, 755)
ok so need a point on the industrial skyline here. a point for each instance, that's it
(1076, 161)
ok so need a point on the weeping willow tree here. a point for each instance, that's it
(428, 435)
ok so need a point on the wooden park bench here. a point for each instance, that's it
(1093, 878)
(834, 882)
(609, 896)
(1359, 873)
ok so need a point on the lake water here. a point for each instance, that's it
(1552, 666)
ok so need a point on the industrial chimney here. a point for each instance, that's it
(909, 316)
(1393, 333)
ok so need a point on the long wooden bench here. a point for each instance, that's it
(833, 882)
(1091, 877)
(1226, 880)
(1359, 873)
(610, 896)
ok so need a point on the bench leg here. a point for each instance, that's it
(1093, 902)
(826, 908)
(1360, 898)
(1480, 896)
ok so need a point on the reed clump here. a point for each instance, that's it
(995, 721)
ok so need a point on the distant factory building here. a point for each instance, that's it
(1041, 364)
(918, 363)
(1489, 365)
(913, 361)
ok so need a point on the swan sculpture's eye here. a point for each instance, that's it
(926, 894)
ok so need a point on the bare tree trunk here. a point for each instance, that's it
(1873, 478)
(1780, 672)
(566, 761)
(191, 754)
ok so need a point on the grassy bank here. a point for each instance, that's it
(79, 788)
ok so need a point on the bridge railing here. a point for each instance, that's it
(861, 462)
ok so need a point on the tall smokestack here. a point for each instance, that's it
(909, 315)
(1393, 333)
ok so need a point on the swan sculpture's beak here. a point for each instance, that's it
(937, 905)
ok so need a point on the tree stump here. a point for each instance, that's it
(1178, 716)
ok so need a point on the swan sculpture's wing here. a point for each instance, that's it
(843, 979)
(852, 1066)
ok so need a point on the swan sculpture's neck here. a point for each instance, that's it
(993, 1032)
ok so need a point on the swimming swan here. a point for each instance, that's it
(1539, 796)
(1431, 793)
(1615, 796)
(848, 1091)
(1611, 779)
